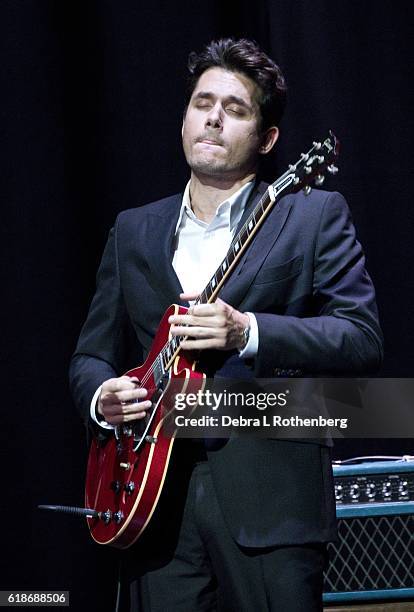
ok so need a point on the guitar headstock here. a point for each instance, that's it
(313, 165)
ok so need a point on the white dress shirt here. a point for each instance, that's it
(199, 248)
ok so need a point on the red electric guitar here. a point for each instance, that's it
(126, 473)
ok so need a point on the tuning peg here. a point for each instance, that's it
(332, 169)
(308, 169)
(319, 179)
(317, 145)
(304, 156)
(307, 189)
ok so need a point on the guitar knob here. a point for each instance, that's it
(307, 189)
(106, 516)
(129, 487)
(116, 486)
(118, 517)
(332, 169)
(319, 179)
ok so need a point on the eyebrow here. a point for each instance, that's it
(206, 95)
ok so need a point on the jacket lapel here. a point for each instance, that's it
(159, 236)
(250, 263)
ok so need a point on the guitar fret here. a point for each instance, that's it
(208, 293)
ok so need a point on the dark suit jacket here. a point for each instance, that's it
(304, 278)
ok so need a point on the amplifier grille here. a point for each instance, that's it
(374, 553)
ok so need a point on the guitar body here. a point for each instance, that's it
(126, 472)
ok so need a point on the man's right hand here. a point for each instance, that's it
(122, 400)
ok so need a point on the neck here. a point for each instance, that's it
(207, 193)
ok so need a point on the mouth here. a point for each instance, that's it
(209, 142)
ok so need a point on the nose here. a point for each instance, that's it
(214, 117)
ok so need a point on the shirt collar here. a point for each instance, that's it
(235, 204)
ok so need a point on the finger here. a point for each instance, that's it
(202, 344)
(207, 309)
(131, 408)
(189, 296)
(131, 395)
(118, 384)
(199, 317)
(195, 332)
(120, 410)
(118, 420)
(134, 417)
(121, 397)
(222, 302)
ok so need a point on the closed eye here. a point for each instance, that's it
(235, 110)
(203, 104)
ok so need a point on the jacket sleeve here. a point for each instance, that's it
(107, 344)
(343, 336)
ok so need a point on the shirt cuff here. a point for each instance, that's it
(92, 411)
(252, 346)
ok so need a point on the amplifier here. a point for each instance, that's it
(374, 557)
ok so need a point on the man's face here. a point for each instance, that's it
(221, 126)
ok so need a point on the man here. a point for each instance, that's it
(242, 525)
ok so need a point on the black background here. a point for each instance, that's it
(91, 110)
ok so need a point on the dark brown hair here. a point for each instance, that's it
(246, 57)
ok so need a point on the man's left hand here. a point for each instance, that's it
(210, 326)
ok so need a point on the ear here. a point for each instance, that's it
(269, 139)
(184, 116)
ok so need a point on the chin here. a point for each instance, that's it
(208, 164)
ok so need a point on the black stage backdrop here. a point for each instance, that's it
(91, 102)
